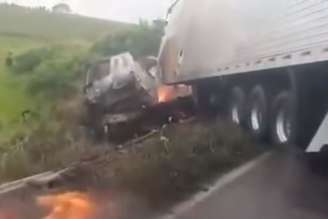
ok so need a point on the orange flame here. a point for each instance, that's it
(7, 216)
(71, 205)
(165, 94)
(168, 93)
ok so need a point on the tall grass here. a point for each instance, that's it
(166, 171)
(50, 80)
(162, 170)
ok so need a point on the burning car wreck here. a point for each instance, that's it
(124, 97)
(117, 92)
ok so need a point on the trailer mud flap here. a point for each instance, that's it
(320, 139)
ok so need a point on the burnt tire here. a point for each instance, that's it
(258, 116)
(236, 109)
(284, 121)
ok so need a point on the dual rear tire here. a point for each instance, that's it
(283, 126)
(266, 117)
(258, 116)
(236, 106)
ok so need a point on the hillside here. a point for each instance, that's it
(39, 23)
(23, 29)
(12, 95)
(44, 121)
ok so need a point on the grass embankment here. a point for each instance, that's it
(153, 175)
(16, 85)
(13, 97)
(50, 54)
(23, 29)
(167, 167)
(43, 84)
(166, 170)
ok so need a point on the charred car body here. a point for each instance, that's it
(118, 89)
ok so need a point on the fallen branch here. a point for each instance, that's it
(142, 138)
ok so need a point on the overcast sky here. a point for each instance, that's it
(122, 10)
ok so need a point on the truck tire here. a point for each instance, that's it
(195, 97)
(200, 98)
(283, 126)
(236, 106)
(258, 121)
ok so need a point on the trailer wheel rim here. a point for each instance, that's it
(256, 118)
(235, 114)
(283, 126)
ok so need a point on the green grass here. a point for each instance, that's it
(22, 29)
(13, 97)
(50, 53)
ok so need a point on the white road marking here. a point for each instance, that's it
(220, 183)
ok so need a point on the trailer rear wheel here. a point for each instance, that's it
(258, 113)
(283, 129)
(200, 98)
(236, 106)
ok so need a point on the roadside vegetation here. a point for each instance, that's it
(151, 175)
(41, 89)
(182, 160)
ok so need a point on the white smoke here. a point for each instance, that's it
(215, 33)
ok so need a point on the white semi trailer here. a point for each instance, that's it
(266, 62)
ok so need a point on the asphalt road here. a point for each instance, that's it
(280, 187)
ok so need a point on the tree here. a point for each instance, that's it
(143, 40)
(61, 8)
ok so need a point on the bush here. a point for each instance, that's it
(161, 170)
(14, 164)
(166, 170)
(143, 40)
(55, 72)
(28, 61)
(45, 141)
(50, 146)
(52, 79)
